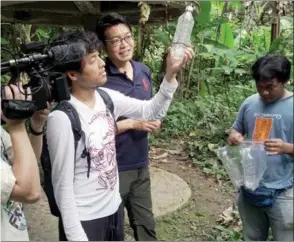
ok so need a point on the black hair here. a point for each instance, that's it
(87, 38)
(107, 21)
(270, 67)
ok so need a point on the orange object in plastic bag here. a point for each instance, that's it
(262, 129)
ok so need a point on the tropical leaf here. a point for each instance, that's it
(227, 37)
(204, 15)
(4, 41)
(162, 37)
(42, 34)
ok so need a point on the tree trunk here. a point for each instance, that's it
(275, 30)
(225, 9)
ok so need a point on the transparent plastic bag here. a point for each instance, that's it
(254, 163)
(232, 162)
(245, 164)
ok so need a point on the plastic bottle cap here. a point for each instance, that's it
(189, 8)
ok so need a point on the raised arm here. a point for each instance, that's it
(156, 108)
(22, 182)
(26, 188)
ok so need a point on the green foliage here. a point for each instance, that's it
(4, 41)
(227, 37)
(213, 85)
(203, 121)
(221, 233)
(204, 15)
(217, 81)
(42, 34)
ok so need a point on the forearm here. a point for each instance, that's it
(64, 194)
(36, 142)
(124, 125)
(158, 106)
(289, 149)
(25, 168)
(65, 200)
(154, 109)
(171, 78)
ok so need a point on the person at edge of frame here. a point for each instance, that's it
(20, 179)
(268, 117)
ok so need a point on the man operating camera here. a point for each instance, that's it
(20, 181)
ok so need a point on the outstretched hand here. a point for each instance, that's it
(174, 65)
(148, 126)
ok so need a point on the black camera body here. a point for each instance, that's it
(47, 81)
(52, 86)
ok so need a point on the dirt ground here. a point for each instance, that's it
(193, 221)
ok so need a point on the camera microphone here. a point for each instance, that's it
(60, 54)
(44, 67)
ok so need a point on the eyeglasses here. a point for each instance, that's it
(117, 41)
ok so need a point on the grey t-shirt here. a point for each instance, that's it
(13, 222)
(259, 121)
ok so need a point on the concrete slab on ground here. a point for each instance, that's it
(169, 193)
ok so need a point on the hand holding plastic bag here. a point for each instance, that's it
(245, 164)
(254, 163)
(232, 161)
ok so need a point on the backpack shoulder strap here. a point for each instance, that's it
(107, 99)
(73, 116)
(78, 133)
(109, 104)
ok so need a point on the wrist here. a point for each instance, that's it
(170, 77)
(133, 124)
(16, 127)
(36, 127)
(288, 148)
(37, 130)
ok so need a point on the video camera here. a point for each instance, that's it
(47, 81)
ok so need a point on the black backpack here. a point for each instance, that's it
(78, 134)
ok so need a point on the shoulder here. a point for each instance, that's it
(143, 67)
(113, 94)
(5, 138)
(59, 128)
(58, 118)
(251, 100)
(290, 98)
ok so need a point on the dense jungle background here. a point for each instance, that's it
(227, 38)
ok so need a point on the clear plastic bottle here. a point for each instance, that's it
(183, 33)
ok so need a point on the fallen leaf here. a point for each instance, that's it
(161, 156)
(175, 152)
(164, 161)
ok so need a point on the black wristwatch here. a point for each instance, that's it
(32, 131)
